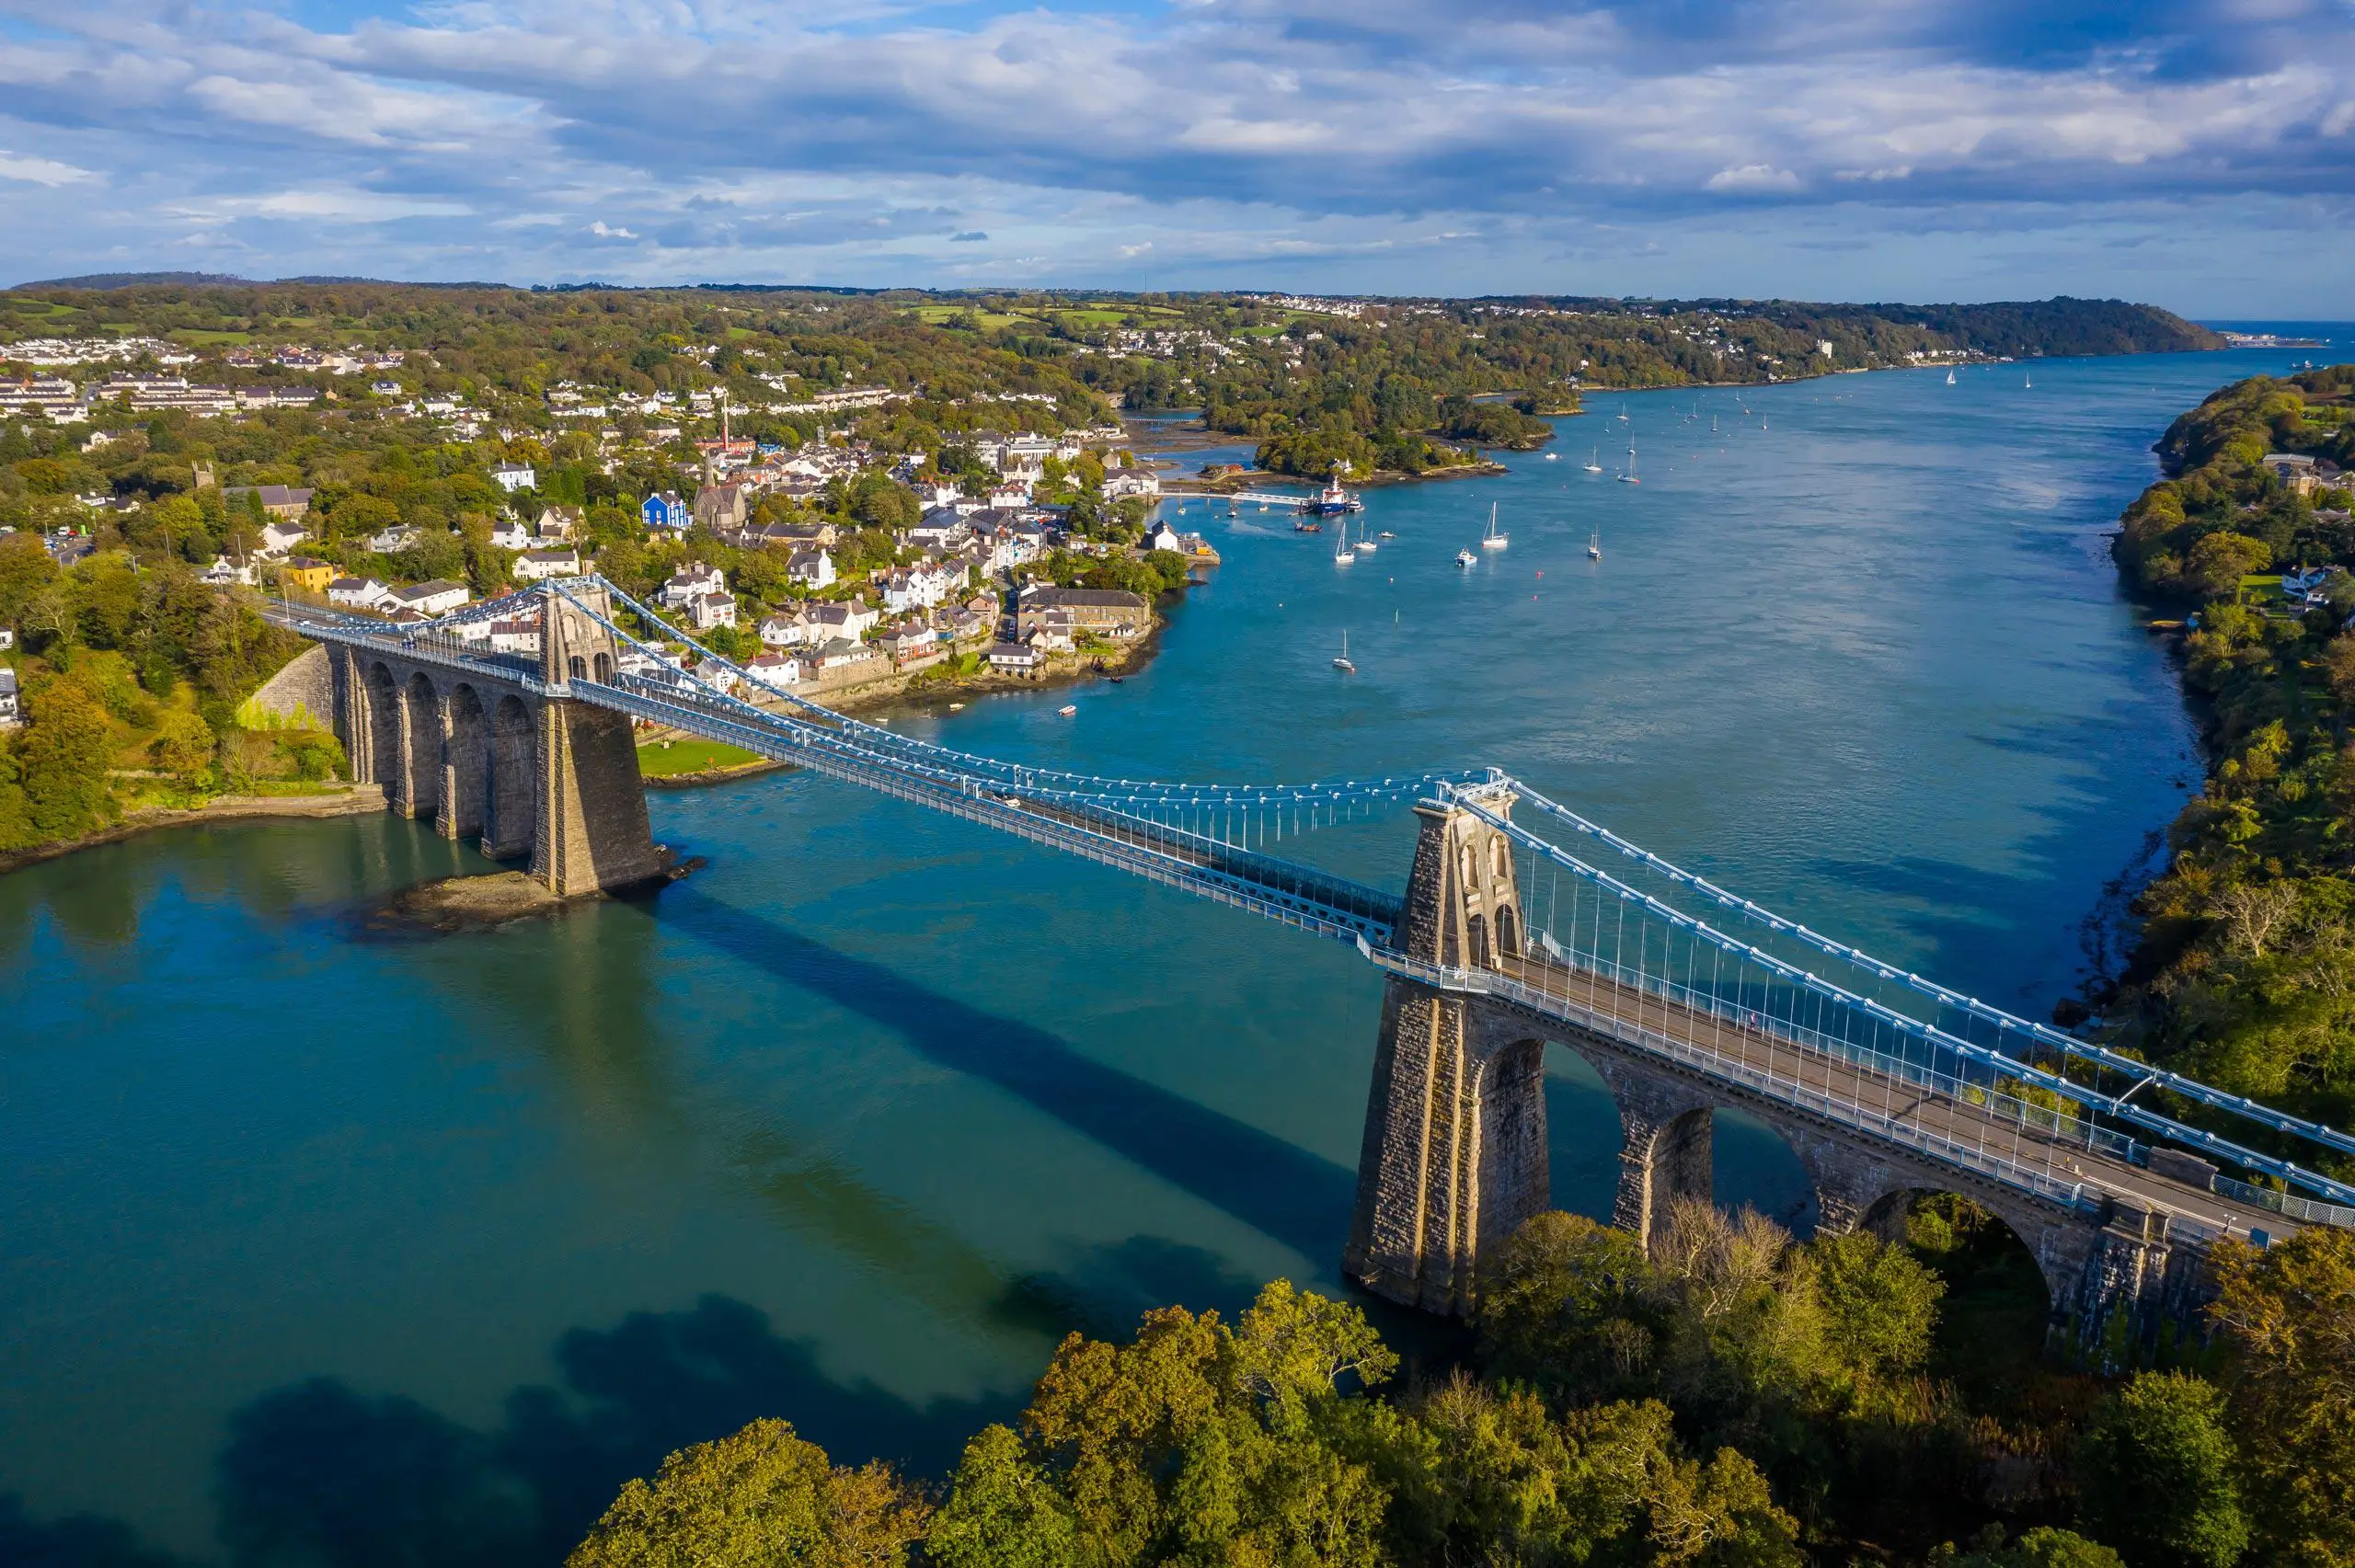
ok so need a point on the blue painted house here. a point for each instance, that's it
(667, 511)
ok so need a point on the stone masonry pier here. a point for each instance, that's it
(507, 763)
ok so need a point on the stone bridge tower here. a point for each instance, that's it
(516, 766)
(1455, 1152)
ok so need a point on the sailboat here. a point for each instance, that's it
(1949, 378)
(1629, 478)
(1595, 546)
(1366, 546)
(1341, 662)
(1492, 540)
(1593, 462)
(1344, 552)
(2029, 382)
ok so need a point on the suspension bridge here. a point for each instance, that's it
(1511, 930)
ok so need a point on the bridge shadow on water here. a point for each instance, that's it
(320, 1474)
(1276, 1188)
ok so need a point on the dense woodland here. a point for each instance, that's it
(2246, 972)
(1734, 1399)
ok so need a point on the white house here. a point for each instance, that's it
(811, 568)
(776, 670)
(278, 538)
(690, 582)
(8, 696)
(847, 621)
(1165, 537)
(519, 636)
(1010, 496)
(560, 522)
(840, 652)
(358, 593)
(1120, 483)
(533, 565)
(513, 477)
(509, 533)
(788, 631)
(386, 541)
(712, 610)
(222, 573)
(436, 597)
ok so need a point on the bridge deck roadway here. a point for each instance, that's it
(1735, 1054)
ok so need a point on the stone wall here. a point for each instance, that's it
(300, 696)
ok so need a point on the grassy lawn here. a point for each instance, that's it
(198, 337)
(658, 759)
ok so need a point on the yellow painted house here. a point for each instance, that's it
(310, 575)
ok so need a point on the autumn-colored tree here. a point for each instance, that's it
(760, 1498)
(2288, 1314)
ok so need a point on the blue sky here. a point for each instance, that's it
(2200, 155)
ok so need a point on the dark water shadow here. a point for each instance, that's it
(1278, 1188)
(320, 1475)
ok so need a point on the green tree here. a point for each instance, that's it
(2039, 1549)
(1002, 1511)
(2157, 1470)
(1563, 1305)
(2287, 1315)
(2217, 562)
(62, 758)
(760, 1498)
(26, 569)
(183, 747)
(1881, 1305)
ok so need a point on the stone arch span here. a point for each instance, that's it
(379, 745)
(418, 786)
(510, 811)
(466, 773)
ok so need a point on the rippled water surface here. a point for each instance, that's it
(317, 1241)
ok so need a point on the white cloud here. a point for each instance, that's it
(1753, 176)
(40, 171)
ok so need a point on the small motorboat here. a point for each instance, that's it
(954, 706)
(1553, 457)
(1068, 709)
(1308, 528)
(1116, 680)
(1466, 558)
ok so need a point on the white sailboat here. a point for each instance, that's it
(1595, 546)
(1629, 478)
(1492, 540)
(1949, 378)
(1593, 461)
(1342, 662)
(1344, 552)
(2029, 382)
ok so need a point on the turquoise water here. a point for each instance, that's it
(322, 1244)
